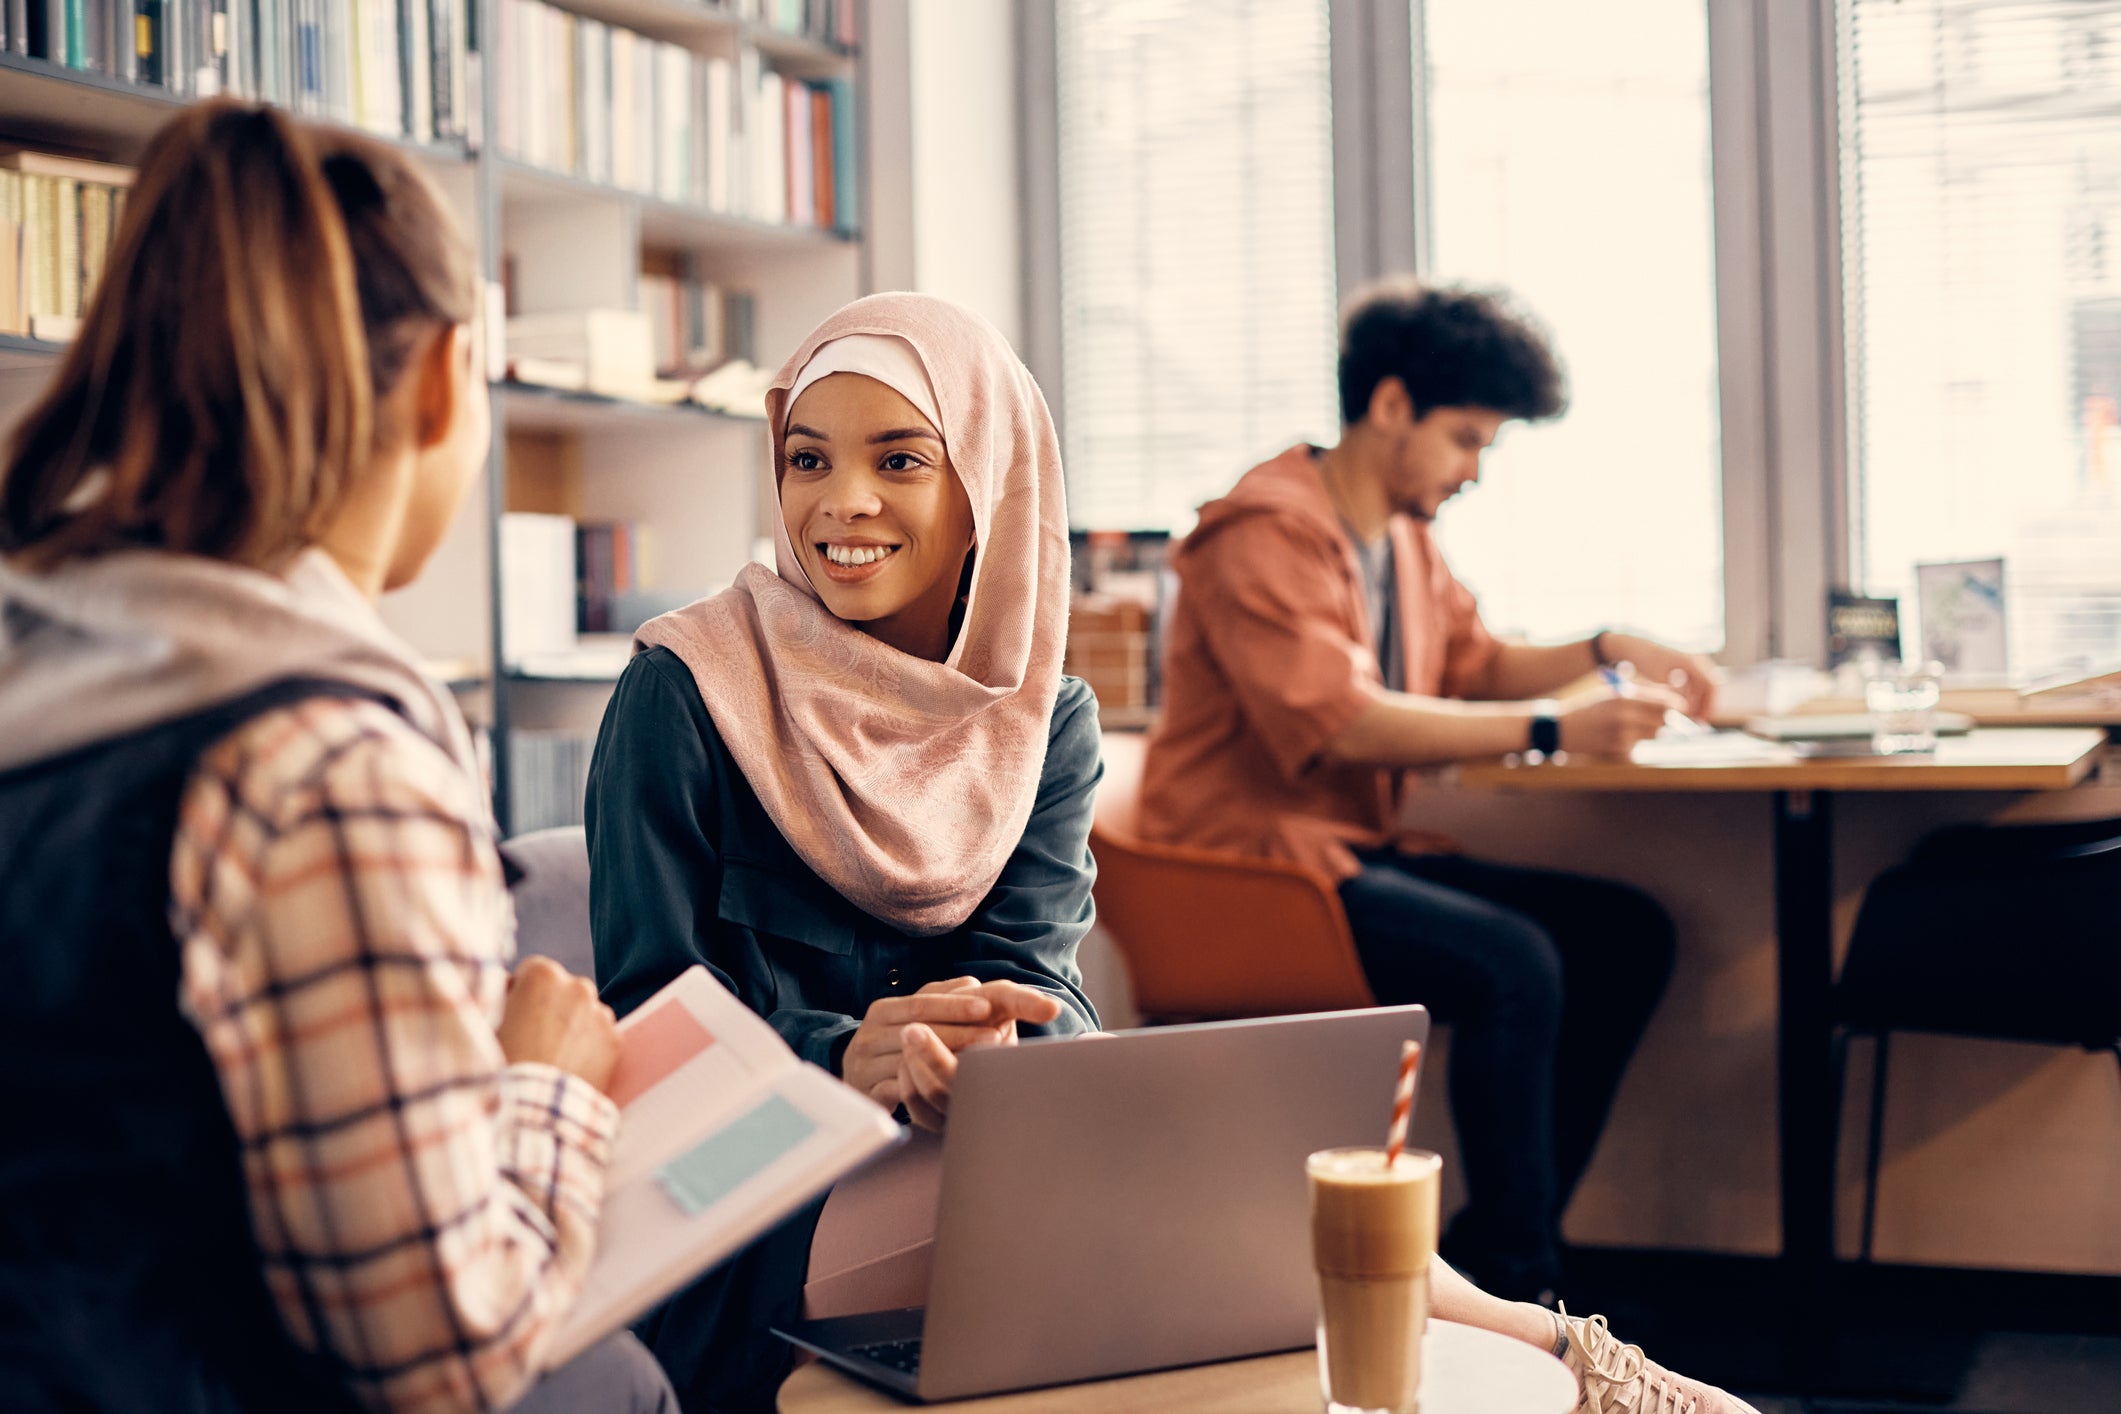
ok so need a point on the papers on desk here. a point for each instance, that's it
(1712, 749)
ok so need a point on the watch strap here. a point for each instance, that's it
(1546, 728)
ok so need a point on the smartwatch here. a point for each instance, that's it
(1546, 727)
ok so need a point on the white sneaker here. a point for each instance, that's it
(1620, 1379)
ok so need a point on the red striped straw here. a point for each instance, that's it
(1402, 1102)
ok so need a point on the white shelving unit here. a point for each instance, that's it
(696, 480)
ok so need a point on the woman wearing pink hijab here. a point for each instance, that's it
(857, 786)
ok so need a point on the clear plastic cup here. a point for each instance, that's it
(1373, 1234)
(1902, 698)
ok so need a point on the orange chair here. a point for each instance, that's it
(1209, 935)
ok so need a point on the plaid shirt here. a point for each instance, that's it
(426, 1211)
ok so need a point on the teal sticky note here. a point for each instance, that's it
(715, 1167)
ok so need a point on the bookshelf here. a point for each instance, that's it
(689, 483)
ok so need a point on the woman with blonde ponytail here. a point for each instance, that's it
(285, 1132)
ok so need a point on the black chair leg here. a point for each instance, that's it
(1876, 1144)
(1838, 1064)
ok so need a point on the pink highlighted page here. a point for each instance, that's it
(653, 1046)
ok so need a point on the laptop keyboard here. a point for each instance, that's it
(903, 1356)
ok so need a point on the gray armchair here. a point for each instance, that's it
(551, 890)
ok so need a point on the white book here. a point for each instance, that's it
(537, 87)
(596, 72)
(537, 586)
(381, 62)
(715, 191)
(770, 170)
(802, 161)
(420, 109)
(530, 71)
(722, 1134)
(644, 114)
(341, 36)
(567, 75)
(673, 91)
(625, 144)
(743, 139)
(508, 130)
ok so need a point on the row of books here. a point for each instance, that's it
(548, 774)
(397, 67)
(727, 135)
(608, 574)
(696, 324)
(562, 578)
(57, 218)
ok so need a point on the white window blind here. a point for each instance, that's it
(1981, 208)
(1197, 281)
(1569, 162)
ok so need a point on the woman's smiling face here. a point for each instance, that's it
(878, 519)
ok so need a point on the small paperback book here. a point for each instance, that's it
(1859, 627)
(722, 1133)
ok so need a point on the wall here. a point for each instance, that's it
(947, 211)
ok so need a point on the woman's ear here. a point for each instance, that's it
(442, 364)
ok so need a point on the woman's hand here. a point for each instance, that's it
(955, 1014)
(928, 1063)
(553, 1017)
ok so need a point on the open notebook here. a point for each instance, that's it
(722, 1133)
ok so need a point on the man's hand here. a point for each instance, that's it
(1690, 675)
(1609, 724)
(553, 1017)
(928, 1063)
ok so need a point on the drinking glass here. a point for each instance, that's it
(1902, 698)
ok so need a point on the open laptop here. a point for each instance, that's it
(1130, 1203)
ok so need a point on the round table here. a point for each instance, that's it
(1464, 1371)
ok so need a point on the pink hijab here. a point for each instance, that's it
(904, 784)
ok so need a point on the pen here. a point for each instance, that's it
(1622, 687)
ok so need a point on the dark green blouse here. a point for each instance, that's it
(686, 867)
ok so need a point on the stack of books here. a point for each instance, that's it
(396, 67)
(613, 353)
(730, 136)
(57, 217)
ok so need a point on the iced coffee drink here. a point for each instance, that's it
(1373, 1233)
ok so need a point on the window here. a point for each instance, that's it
(1568, 161)
(1197, 284)
(1981, 252)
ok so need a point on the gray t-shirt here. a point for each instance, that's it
(1378, 585)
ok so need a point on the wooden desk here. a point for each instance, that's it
(2003, 759)
(1989, 707)
(1465, 1371)
(1999, 758)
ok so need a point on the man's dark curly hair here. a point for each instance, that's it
(1450, 348)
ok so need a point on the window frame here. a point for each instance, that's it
(1774, 90)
